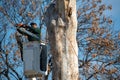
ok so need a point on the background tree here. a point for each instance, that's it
(22, 11)
(11, 13)
(98, 42)
(62, 25)
(10, 57)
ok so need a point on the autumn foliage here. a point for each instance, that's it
(98, 43)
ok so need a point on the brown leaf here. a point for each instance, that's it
(106, 51)
(18, 53)
(109, 21)
(102, 70)
(0, 56)
(1, 8)
(119, 35)
(95, 67)
(112, 71)
(94, 55)
(7, 51)
(33, 5)
(110, 7)
(23, 2)
(94, 5)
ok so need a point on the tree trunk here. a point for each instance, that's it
(61, 23)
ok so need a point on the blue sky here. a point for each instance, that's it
(116, 7)
(115, 12)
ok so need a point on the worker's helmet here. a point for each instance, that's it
(34, 25)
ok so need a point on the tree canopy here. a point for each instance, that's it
(98, 42)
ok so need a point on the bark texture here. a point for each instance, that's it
(61, 23)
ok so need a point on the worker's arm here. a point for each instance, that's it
(25, 32)
(34, 30)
